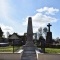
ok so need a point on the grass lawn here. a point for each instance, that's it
(52, 50)
(8, 49)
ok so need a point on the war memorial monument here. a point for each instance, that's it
(49, 36)
(29, 48)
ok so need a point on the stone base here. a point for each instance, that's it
(29, 53)
(49, 38)
(32, 48)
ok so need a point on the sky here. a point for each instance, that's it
(14, 15)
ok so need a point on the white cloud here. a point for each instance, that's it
(48, 10)
(6, 29)
(41, 20)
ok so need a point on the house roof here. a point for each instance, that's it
(14, 36)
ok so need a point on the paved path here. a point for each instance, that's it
(37, 52)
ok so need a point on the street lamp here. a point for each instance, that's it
(13, 45)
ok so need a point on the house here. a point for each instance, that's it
(16, 39)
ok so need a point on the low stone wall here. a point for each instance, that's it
(10, 56)
(17, 56)
(48, 56)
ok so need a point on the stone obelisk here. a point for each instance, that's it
(29, 48)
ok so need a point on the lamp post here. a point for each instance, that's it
(13, 45)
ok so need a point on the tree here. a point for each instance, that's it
(1, 32)
(45, 30)
(57, 40)
(42, 40)
(40, 31)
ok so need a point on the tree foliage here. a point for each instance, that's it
(40, 31)
(1, 32)
(45, 30)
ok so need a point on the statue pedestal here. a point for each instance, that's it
(49, 38)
